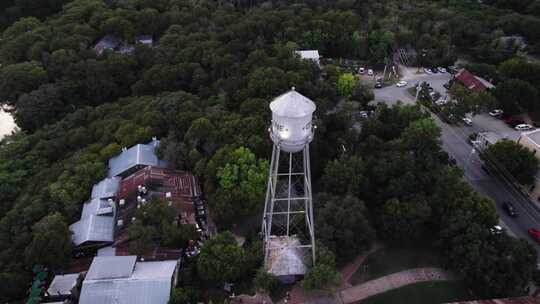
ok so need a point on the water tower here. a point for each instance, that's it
(289, 237)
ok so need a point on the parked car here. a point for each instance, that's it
(441, 101)
(447, 85)
(428, 71)
(535, 234)
(361, 70)
(496, 229)
(370, 72)
(509, 208)
(441, 70)
(378, 85)
(467, 121)
(496, 113)
(434, 70)
(401, 84)
(523, 127)
(364, 114)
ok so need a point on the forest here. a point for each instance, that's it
(204, 89)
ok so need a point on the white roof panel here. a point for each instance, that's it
(106, 188)
(94, 228)
(150, 283)
(62, 284)
(309, 54)
(292, 104)
(141, 154)
(111, 267)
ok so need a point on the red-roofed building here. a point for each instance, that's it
(181, 189)
(472, 82)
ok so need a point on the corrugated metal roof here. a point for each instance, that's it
(111, 267)
(62, 284)
(150, 283)
(106, 251)
(141, 154)
(106, 188)
(309, 54)
(292, 104)
(95, 228)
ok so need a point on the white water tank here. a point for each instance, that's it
(292, 115)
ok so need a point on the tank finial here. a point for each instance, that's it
(293, 88)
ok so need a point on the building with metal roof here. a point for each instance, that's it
(123, 280)
(179, 188)
(472, 82)
(106, 43)
(96, 225)
(145, 39)
(62, 285)
(135, 158)
(106, 188)
(310, 55)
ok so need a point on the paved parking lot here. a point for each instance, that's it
(391, 94)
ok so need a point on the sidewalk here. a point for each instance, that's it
(392, 281)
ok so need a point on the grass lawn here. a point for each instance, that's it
(422, 293)
(394, 259)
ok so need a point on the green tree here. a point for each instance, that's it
(516, 96)
(184, 296)
(346, 84)
(51, 242)
(221, 259)
(342, 225)
(512, 158)
(39, 107)
(265, 281)
(242, 182)
(17, 79)
(324, 274)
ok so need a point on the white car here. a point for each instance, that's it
(428, 71)
(441, 69)
(370, 72)
(441, 101)
(496, 113)
(467, 121)
(361, 70)
(523, 127)
(401, 84)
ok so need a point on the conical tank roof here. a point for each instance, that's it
(292, 104)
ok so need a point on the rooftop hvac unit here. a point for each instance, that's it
(168, 195)
(169, 203)
(143, 201)
(111, 202)
(133, 219)
(120, 223)
(122, 202)
(139, 199)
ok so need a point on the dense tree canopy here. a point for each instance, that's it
(204, 89)
(221, 259)
(509, 157)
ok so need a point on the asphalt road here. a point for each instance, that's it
(455, 143)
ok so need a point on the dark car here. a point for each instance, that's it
(378, 85)
(434, 70)
(509, 208)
